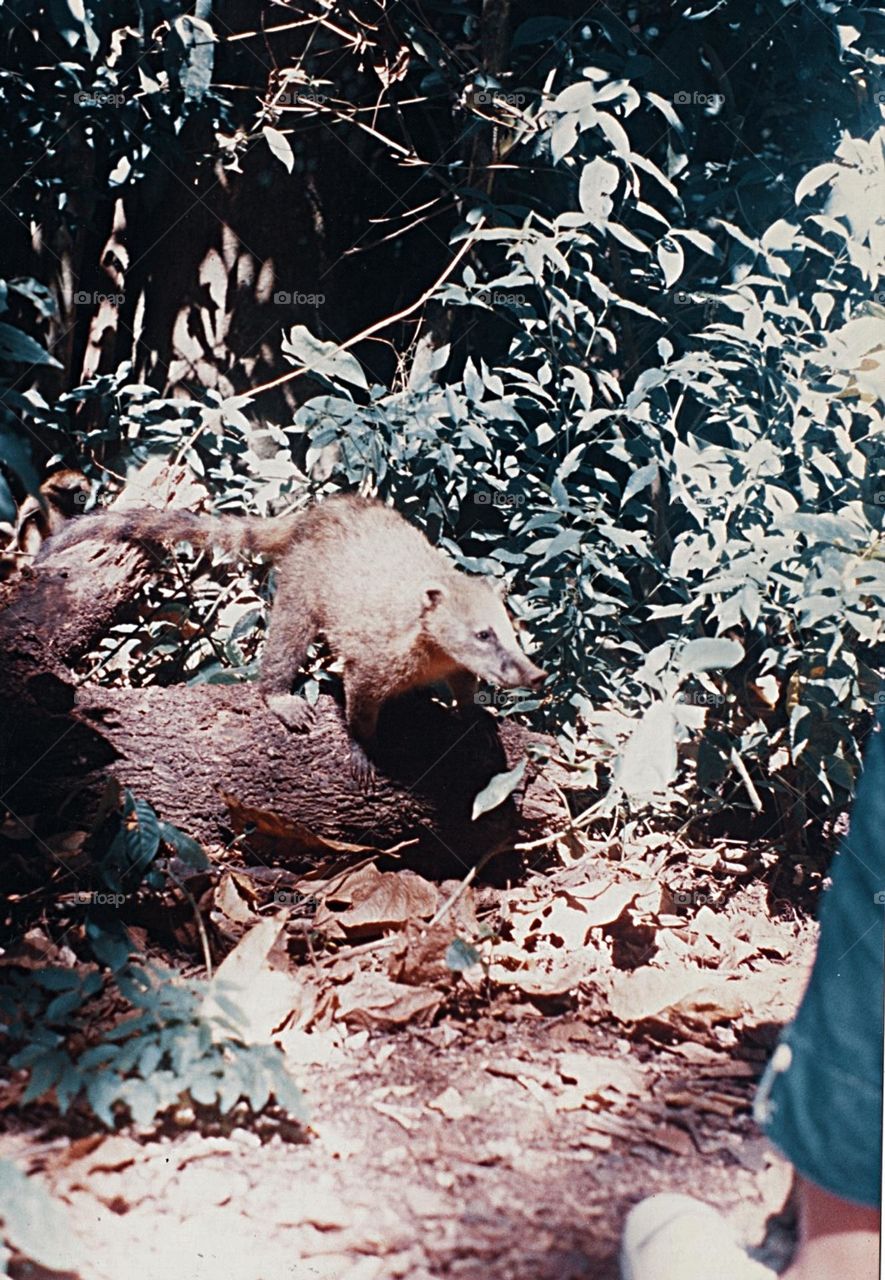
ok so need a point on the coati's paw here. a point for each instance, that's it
(295, 713)
(361, 768)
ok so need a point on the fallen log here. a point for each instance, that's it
(215, 762)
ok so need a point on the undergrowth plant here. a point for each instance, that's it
(182, 1041)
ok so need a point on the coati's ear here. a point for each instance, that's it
(500, 585)
(433, 594)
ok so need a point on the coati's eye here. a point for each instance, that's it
(483, 635)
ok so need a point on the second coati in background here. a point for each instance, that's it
(42, 514)
(392, 608)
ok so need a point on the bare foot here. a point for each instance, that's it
(837, 1238)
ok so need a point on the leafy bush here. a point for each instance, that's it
(650, 399)
(184, 1039)
(183, 1042)
(736, 490)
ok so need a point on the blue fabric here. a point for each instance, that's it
(820, 1100)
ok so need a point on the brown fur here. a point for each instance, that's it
(42, 515)
(395, 611)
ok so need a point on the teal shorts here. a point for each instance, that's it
(820, 1100)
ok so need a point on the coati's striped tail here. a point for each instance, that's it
(249, 534)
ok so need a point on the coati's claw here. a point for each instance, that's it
(295, 713)
(361, 768)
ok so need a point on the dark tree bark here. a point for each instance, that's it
(216, 763)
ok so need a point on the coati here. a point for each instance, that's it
(62, 495)
(352, 571)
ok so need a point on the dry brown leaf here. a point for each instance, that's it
(402, 1118)
(418, 957)
(767, 937)
(713, 924)
(701, 999)
(35, 950)
(697, 1054)
(235, 898)
(284, 836)
(375, 901)
(371, 1000)
(389, 71)
(451, 1105)
(551, 976)
(669, 1137)
(594, 1074)
(102, 1152)
(647, 993)
(592, 1140)
(518, 1069)
(266, 997)
(568, 917)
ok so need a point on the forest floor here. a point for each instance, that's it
(498, 1122)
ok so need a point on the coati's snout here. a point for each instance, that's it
(524, 675)
(467, 620)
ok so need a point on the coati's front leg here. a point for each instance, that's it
(288, 638)
(361, 709)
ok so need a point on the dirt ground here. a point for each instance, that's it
(503, 1130)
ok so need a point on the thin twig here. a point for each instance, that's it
(201, 928)
(379, 324)
(738, 763)
(462, 888)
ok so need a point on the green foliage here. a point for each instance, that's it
(461, 956)
(650, 400)
(184, 1041)
(735, 489)
(129, 859)
(497, 790)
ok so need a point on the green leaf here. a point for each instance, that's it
(672, 261)
(709, 654)
(567, 540)
(599, 179)
(20, 348)
(641, 478)
(285, 1091)
(35, 1224)
(461, 956)
(204, 1086)
(45, 1072)
(815, 178)
(55, 979)
(142, 1098)
(134, 846)
(194, 40)
(324, 358)
(110, 944)
(279, 146)
(103, 1092)
(64, 1004)
(39, 294)
(497, 790)
(68, 1087)
(149, 1059)
(188, 850)
(626, 237)
(647, 764)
